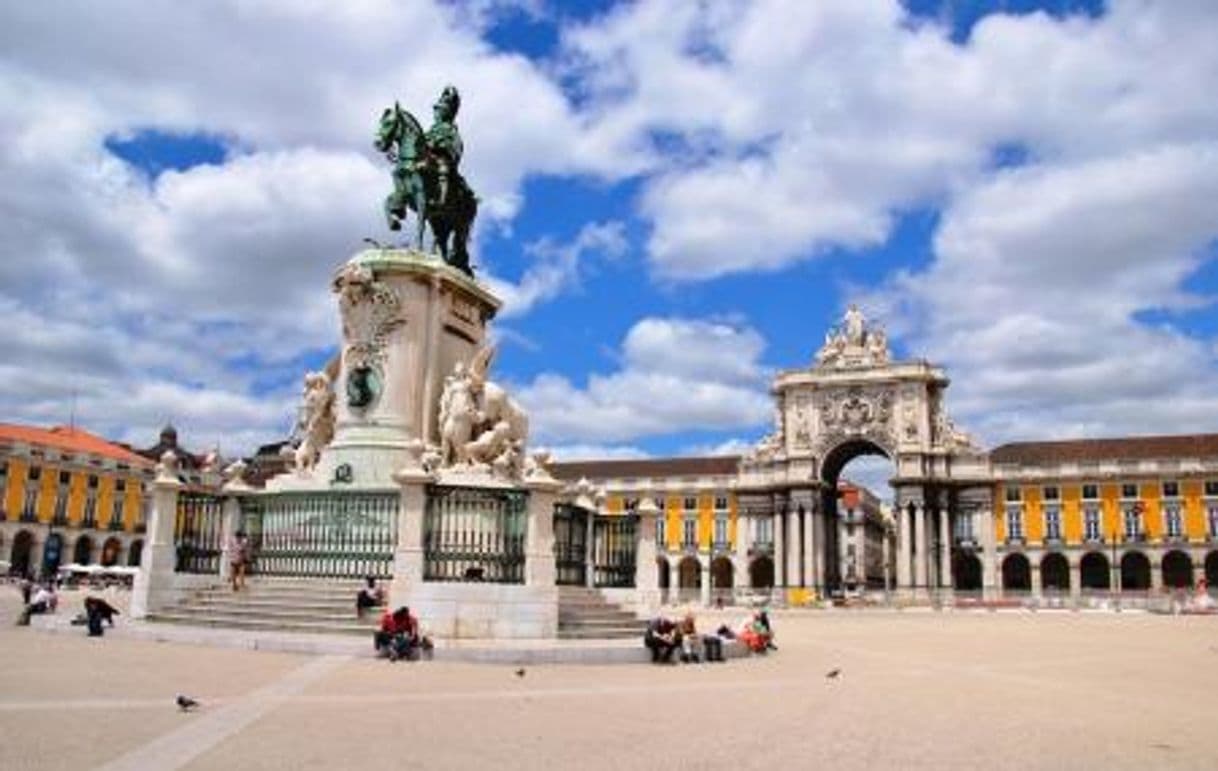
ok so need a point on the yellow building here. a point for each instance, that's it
(69, 496)
(699, 551)
(1131, 514)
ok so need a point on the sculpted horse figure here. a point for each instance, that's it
(426, 180)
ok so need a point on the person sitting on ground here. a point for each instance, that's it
(398, 636)
(691, 643)
(98, 610)
(755, 633)
(369, 596)
(661, 639)
(44, 601)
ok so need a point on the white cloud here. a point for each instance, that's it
(665, 385)
(555, 267)
(1033, 297)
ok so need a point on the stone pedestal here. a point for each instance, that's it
(154, 584)
(646, 571)
(407, 319)
(456, 609)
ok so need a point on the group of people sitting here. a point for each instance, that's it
(399, 637)
(36, 599)
(665, 636)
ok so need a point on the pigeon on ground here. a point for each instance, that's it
(185, 703)
(520, 672)
(832, 674)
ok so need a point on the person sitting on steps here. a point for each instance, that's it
(369, 596)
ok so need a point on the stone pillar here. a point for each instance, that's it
(1156, 574)
(234, 488)
(674, 578)
(921, 558)
(408, 554)
(1076, 577)
(793, 547)
(904, 548)
(780, 549)
(590, 551)
(989, 554)
(809, 544)
(154, 583)
(646, 576)
(884, 558)
(818, 552)
(945, 550)
(539, 567)
(704, 564)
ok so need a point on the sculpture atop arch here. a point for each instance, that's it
(854, 343)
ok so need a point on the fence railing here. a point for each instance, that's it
(570, 544)
(474, 534)
(322, 535)
(615, 541)
(198, 529)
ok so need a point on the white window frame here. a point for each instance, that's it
(1014, 522)
(1093, 528)
(1131, 515)
(1173, 521)
(689, 532)
(1053, 523)
(661, 530)
(720, 530)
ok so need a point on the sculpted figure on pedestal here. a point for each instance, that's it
(853, 343)
(316, 423)
(480, 425)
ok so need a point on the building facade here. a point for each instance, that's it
(69, 496)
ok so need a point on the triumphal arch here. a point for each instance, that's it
(856, 399)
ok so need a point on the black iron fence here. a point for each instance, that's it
(570, 545)
(474, 534)
(614, 541)
(322, 535)
(198, 530)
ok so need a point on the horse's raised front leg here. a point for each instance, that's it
(420, 206)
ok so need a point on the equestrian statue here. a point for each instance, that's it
(426, 179)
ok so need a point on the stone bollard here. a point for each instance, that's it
(646, 570)
(412, 483)
(154, 583)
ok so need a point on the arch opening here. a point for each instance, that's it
(1094, 572)
(858, 551)
(1135, 572)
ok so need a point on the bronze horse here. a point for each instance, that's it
(416, 187)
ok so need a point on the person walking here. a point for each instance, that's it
(238, 559)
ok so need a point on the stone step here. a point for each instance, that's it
(599, 634)
(285, 596)
(283, 613)
(259, 623)
(219, 603)
(618, 616)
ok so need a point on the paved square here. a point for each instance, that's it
(917, 690)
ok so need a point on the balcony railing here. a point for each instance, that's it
(60, 520)
(29, 517)
(1135, 537)
(90, 523)
(965, 541)
(115, 524)
(1016, 540)
(721, 547)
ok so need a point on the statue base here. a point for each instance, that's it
(407, 319)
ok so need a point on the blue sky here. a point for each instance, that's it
(678, 199)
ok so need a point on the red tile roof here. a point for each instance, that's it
(70, 439)
(647, 467)
(1094, 450)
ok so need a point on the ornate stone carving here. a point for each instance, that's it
(481, 427)
(315, 425)
(853, 344)
(370, 312)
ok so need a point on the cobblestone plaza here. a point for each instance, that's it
(1009, 689)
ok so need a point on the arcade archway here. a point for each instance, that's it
(136, 553)
(1094, 572)
(1055, 573)
(19, 556)
(1177, 570)
(82, 553)
(966, 572)
(1016, 573)
(1135, 572)
(761, 573)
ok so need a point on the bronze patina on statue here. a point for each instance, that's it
(426, 179)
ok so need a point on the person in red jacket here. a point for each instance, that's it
(398, 636)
